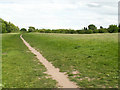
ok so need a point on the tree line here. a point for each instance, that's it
(86, 30)
(7, 27)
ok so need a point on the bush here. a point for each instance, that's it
(36, 30)
(95, 31)
(48, 31)
(62, 31)
(92, 27)
(41, 30)
(78, 31)
(72, 31)
(31, 29)
(88, 31)
(102, 30)
(82, 31)
(8, 27)
(55, 31)
(113, 29)
(23, 29)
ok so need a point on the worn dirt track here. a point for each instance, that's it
(60, 77)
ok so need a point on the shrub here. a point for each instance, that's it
(113, 29)
(81, 31)
(92, 27)
(31, 29)
(78, 31)
(23, 29)
(48, 31)
(8, 27)
(103, 30)
(72, 31)
(88, 31)
(55, 31)
(95, 31)
(41, 30)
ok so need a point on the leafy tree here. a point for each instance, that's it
(72, 31)
(48, 31)
(4, 28)
(101, 27)
(119, 27)
(41, 30)
(103, 30)
(78, 31)
(95, 31)
(88, 31)
(36, 30)
(8, 27)
(81, 31)
(113, 29)
(23, 29)
(85, 28)
(31, 29)
(92, 27)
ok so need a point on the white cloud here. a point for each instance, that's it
(59, 13)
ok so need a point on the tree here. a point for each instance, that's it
(41, 30)
(113, 28)
(119, 27)
(85, 28)
(47, 31)
(103, 30)
(92, 27)
(13, 28)
(81, 31)
(31, 29)
(88, 31)
(7, 27)
(72, 31)
(23, 29)
(4, 28)
(36, 30)
(95, 31)
(101, 27)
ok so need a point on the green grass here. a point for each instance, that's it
(93, 57)
(20, 68)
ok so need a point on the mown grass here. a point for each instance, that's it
(20, 68)
(89, 60)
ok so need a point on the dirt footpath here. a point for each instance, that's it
(60, 77)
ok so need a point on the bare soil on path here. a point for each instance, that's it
(60, 77)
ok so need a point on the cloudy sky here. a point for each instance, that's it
(74, 14)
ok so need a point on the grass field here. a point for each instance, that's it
(20, 68)
(89, 60)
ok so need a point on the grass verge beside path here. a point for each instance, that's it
(20, 67)
(90, 60)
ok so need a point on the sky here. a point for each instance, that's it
(59, 14)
